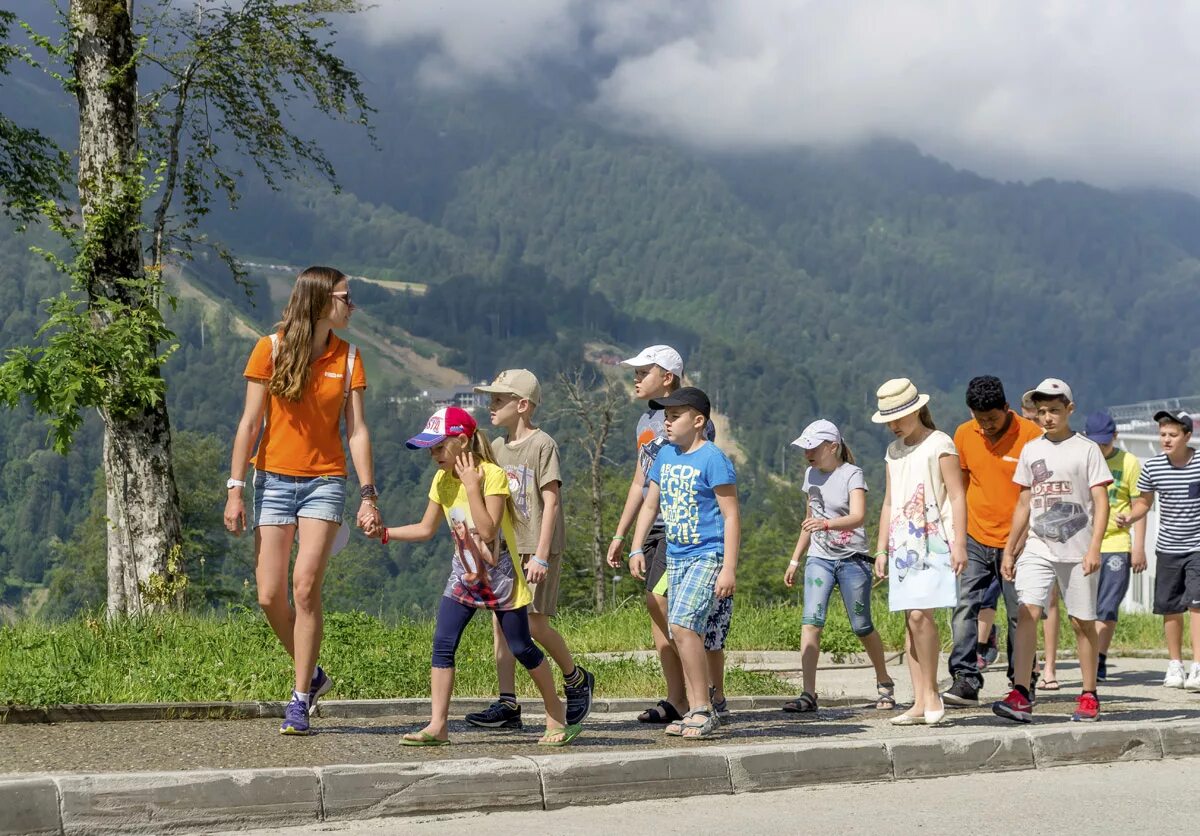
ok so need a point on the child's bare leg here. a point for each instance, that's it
(1050, 629)
(1105, 630)
(543, 678)
(873, 644)
(914, 668)
(551, 641)
(668, 655)
(716, 673)
(1029, 615)
(987, 617)
(925, 647)
(1089, 654)
(1173, 629)
(690, 645)
(810, 654)
(1194, 616)
(506, 663)
(441, 686)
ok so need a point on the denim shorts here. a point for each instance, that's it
(853, 578)
(282, 500)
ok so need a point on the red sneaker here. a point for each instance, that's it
(1014, 707)
(1087, 708)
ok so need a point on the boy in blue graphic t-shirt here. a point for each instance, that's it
(692, 483)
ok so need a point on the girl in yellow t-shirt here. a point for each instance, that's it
(471, 491)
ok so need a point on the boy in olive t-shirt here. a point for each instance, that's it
(530, 459)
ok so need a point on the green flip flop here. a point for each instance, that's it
(569, 733)
(422, 738)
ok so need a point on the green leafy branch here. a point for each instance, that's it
(99, 347)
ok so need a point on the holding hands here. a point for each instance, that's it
(370, 520)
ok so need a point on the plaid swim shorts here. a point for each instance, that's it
(691, 596)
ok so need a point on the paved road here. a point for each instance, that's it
(1133, 693)
(1092, 800)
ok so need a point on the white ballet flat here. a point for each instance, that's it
(909, 720)
(934, 718)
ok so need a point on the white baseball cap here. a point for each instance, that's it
(817, 433)
(1050, 386)
(658, 355)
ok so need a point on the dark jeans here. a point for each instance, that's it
(983, 567)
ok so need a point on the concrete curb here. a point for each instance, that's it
(359, 709)
(182, 802)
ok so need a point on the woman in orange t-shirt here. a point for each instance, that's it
(297, 394)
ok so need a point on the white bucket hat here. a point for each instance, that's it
(897, 398)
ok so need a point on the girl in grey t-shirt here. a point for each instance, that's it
(835, 541)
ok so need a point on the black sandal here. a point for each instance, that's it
(660, 714)
(806, 703)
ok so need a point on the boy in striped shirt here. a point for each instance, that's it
(1174, 477)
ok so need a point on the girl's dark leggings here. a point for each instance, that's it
(453, 618)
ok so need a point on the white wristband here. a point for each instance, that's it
(793, 563)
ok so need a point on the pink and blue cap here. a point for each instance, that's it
(447, 422)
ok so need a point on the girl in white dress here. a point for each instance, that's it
(922, 535)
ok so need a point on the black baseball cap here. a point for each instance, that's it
(686, 396)
(1181, 418)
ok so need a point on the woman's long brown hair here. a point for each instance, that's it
(311, 297)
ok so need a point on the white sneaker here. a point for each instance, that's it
(1193, 680)
(1174, 677)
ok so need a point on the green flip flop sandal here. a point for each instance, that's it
(569, 733)
(422, 738)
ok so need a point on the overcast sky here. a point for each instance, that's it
(1101, 91)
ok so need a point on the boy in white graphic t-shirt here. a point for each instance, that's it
(1064, 503)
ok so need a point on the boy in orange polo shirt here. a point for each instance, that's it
(988, 447)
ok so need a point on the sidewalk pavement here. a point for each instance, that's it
(197, 774)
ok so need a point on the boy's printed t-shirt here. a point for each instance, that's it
(828, 498)
(1125, 469)
(688, 503)
(304, 438)
(1177, 497)
(1060, 476)
(501, 587)
(651, 438)
(530, 465)
(991, 494)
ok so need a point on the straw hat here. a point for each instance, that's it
(898, 397)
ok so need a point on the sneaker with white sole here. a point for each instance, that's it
(1193, 680)
(1175, 675)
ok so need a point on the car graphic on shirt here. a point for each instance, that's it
(1061, 522)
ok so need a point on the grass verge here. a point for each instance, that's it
(183, 657)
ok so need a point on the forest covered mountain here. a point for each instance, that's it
(794, 283)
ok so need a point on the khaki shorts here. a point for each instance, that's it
(545, 594)
(1037, 575)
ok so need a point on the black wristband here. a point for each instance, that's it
(367, 492)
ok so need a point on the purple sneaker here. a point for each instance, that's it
(321, 683)
(295, 717)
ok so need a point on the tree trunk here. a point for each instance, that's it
(599, 553)
(143, 504)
